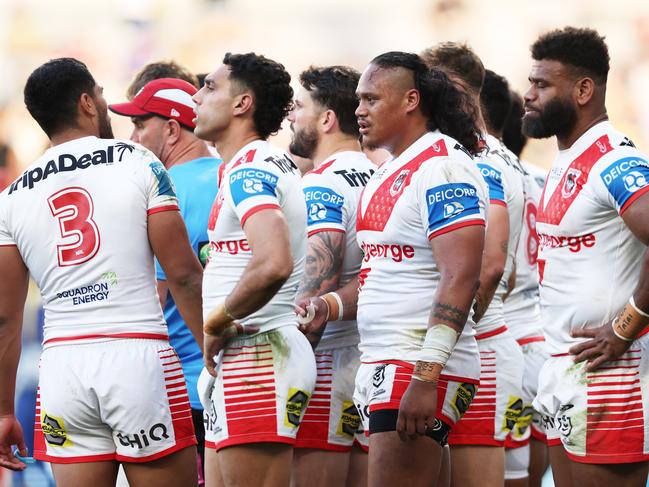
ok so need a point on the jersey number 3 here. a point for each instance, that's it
(73, 208)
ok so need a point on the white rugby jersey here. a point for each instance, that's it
(432, 188)
(522, 310)
(258, 177)
(589, 261)
(78, 216)
(332, 192)
(503, 176)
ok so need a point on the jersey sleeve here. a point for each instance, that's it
(494, 179)
(626, 179)
(451, 199)
(6, 239)
(252, 189)
(326, 211)
(161, 194)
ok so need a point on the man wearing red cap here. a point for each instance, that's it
(162, 113)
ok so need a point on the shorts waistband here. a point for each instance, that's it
(491, 333)
(146, 336)
(525, 341)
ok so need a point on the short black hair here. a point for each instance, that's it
(440, 101)
(53, 90)
(270, 84)
(496, 100)
(334, 88)
(583, 49)
(513, 136)
(458, 59)
(157, 70)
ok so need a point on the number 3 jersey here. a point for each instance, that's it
(258, 177)
(78, 216)
(589, 261)
(432, 188)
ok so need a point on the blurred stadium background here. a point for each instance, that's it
(117, 37)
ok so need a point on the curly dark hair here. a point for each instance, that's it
(157, 70)
(458, 59)
(513, 136)
(447, 109)
(53, 90)
(583, 49)
(270, 84)
(496, 100)
(334, 88)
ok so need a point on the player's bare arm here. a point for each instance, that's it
(493, 261)
(459, 258)
(613, 339)
(13, 292)
(170, 244)
(324, 259)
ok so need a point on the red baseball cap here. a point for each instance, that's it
(166, 97)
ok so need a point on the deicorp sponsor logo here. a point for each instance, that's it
(245, 183)
(631, 171)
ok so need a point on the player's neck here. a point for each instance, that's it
(71, 134)
(406, 138)
(583, 125)
(329, 146)
(191, 149)
(233, 142)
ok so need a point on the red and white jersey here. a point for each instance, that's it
(504, 176)
(589, 261)
(332, 192)
(78, 216)
(432, 188)
(522, 310)
(258, 177)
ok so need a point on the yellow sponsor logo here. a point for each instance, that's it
(463, 397)
(295, 406)
(54, 430)
(512, 412)
(350, 420)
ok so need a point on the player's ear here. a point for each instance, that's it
(328, 121)
(87, 105)
(242, 103)
(411, 100)
(173, 129)
(584, 90)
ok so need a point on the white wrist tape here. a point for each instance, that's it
(439, 343)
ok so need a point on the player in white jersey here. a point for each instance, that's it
(497, 403)
(414, 382)
(593, 234)
(83, 221)
(521, 307)
(325, 130)
(260, 384)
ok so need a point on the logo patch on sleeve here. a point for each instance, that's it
(247, 183)
(165, 185)
(450, 202)
(625, 177)
(494, 179)
(323, 205)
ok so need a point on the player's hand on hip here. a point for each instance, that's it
(213, 344)
(311, 315)
(602, 347)
(11, 433)
(417, 409)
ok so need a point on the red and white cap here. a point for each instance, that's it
(166, 97)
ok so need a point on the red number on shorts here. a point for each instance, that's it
(73, 208)
(532, 236)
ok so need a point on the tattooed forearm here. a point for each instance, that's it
(323, 263)
(450, 314)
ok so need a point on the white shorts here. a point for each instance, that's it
(529, 422)
(117, 399)
(331, 421)
(602, 416)
(380, 387)
(261, 391)
(497, 404)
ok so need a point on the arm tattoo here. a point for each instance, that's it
(450, 314)
(323, 263)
